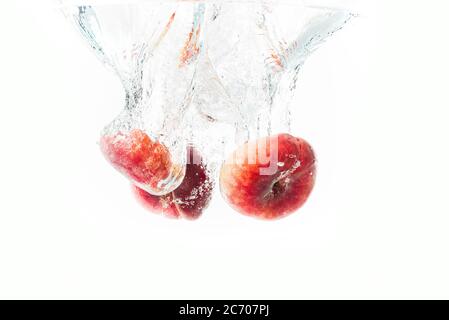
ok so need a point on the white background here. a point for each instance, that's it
(373, 102)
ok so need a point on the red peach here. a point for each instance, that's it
(269, 178)
(136, 156)
(189, 199)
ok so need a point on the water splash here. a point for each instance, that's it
(209, 73)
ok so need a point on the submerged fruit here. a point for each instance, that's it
(138, 157)
(190, 198)
(269, 178)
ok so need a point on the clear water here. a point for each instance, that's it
(211, 73)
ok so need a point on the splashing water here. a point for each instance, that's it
(209, 73)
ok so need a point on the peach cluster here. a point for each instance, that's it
(267, 178)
